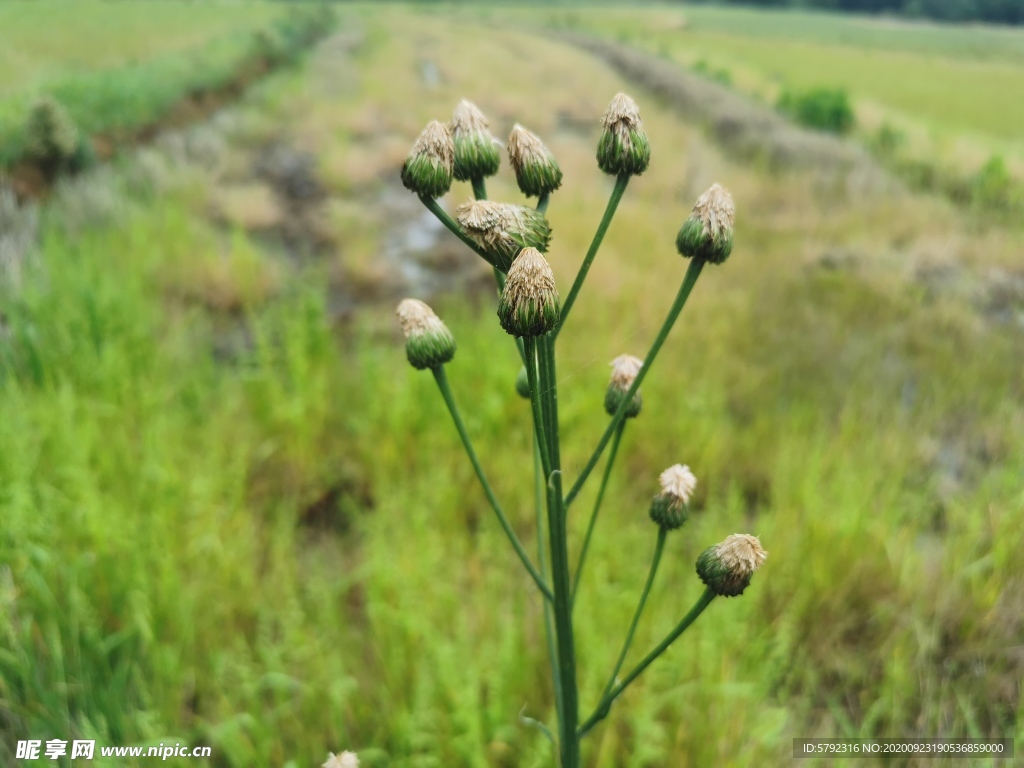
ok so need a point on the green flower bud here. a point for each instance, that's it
(624, 370)
(503, 229)
(536, 170)
(670, 508)
(727, 567)
(523, 384)
(428, 342)
(707, 233)
(428, 168)
(477, 153)
(529, 305)
(623, 147)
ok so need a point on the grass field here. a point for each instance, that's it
(278, 549)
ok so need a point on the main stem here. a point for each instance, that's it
(609, 212)
(568, 740)
(542, 559)
(692, 273)
(446, 392)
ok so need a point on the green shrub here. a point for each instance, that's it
(718, 75)
(824, 109)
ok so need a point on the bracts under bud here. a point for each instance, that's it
(428, 342)
(428, 168)
(537, 173)
(477, 153)
(529, 304)
(670, 508)
(623, 148)
(707, 233)
(503, 229)
(624, 371)
(726, 568)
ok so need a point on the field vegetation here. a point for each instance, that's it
(231, 514)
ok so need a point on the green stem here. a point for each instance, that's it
(542, 559)
(530, 349)
(604, 707)
(692, 273)
(568, 740)
(456, 230)
(597, 506)
(609, 212)
(479, 189)
(658, 549)
(542, 202)
(446, 393)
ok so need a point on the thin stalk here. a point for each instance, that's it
(609, 212)
(479, 189)
(530, 349)
(456, 230)
(603, 708)
(542, 559)
(692, 273)
(568, 740)
(446, 393)
(658, 549)
(597, 506)
(542, 202)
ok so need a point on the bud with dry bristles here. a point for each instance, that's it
(536, 170)
(623, 148)
(428, 168)
(707, 233)
(344, 760)
(428, 342)
(529, 304)
(476, 150)
(503, 229)
(727, 567)
(670, 508)
(624, 370)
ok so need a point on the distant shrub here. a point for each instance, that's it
(888, 139)
(824, 109)
(992, 187)
(719, 75)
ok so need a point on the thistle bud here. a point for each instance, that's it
(670, 508)
(623, 146)
(529, 305)
(707, 233)
(503, 229)
(476, 150)
(344, 760)
(428, 168)
(536, 170)
(727, 567)
(428, 342)
(624, 370)
(523, 384)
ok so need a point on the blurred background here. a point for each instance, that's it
(231, 514)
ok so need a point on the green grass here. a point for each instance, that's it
(285, 551)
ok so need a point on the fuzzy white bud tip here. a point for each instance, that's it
(344, 760)
(625, 369)
(678, 481)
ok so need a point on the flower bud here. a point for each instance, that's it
(624, 370)
(536, 170)
(523, 384)
(670, 508)
(503, 229)
(476, 150)
(428, 168)
(727, 567)
(344, 760)
(428, 342)
(529, 305)
(623, 146)
(707, 233)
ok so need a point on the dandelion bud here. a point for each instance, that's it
(727, 567)
(428, 168)
(624, 370)
(428, 342)
(503, 229)
(523, 384)
(476, 150)
(536, 170)
(344, 760)
(670, 508)
(623, 146)
(707, 233)
(529, 305)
